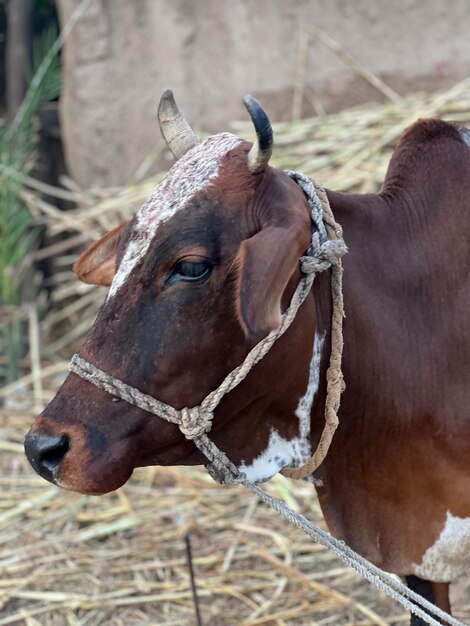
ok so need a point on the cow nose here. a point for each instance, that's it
(45, 452)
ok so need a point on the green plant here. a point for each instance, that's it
(17, 232)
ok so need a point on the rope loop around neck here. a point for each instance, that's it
(327, 254)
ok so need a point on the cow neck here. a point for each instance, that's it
(325, 251)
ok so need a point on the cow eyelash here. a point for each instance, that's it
(189, 271)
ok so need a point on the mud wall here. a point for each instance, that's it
(124, 53)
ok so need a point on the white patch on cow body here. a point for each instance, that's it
(294, 452)
(195, 171)
(279, 453)
(465, 132)
(304, 407)
(449, 557)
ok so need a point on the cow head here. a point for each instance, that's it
(198, 275)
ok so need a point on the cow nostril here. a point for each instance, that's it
(46, 452)
(51, 457)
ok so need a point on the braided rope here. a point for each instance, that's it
(411, 600)
(334, 375)
(121, 390)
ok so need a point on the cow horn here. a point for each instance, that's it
(177, 133)
(260, 153)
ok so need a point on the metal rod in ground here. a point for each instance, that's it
(192, 578)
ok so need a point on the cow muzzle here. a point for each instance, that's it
(80, 459)
(46, 452)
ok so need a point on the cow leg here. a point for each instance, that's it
(437, 593)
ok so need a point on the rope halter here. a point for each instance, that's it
(195, 422)
(325, 250)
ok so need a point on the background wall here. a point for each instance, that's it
(123, 54)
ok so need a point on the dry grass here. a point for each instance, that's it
(348, 151)
(69, 560)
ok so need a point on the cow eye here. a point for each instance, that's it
(189, 271)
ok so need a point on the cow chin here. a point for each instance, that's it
(95, 476)
(90, 485)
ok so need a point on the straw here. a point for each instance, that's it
(120, 559)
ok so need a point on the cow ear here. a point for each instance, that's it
(265, 264)
(97, 264)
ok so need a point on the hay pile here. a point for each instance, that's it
(348, 151)
(119, 560)
(70, 560)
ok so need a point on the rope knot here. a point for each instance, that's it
(195, 422)
(328, 254)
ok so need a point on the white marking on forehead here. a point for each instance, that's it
(191, 174)
(449, 557)
(295, 452)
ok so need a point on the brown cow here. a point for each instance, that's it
(202, 272)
